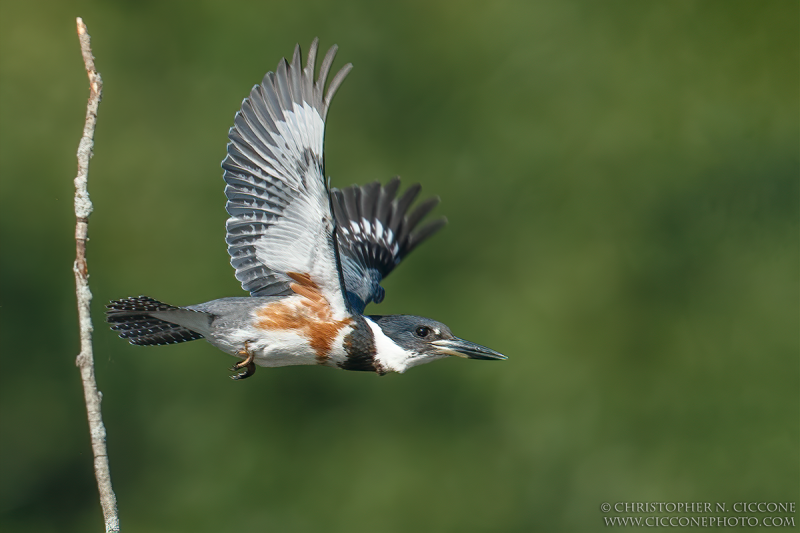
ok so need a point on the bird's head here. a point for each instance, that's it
(404, 341)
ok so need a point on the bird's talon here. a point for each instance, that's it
(247, 363)
(250, 369)
(240, 365)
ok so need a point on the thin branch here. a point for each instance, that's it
(85, 360)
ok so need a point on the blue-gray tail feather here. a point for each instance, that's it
(131, 318)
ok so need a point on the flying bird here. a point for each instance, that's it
(312, 257)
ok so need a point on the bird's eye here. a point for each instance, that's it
(422, 331)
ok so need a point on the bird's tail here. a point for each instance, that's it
(144, 321)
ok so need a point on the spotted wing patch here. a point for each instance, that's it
(376, 230)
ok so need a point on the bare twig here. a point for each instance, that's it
(85, 360)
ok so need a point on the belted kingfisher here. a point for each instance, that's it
(311, 256)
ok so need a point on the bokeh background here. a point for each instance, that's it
(621, 180)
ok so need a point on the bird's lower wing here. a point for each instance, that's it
(376, 230)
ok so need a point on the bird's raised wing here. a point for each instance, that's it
(375, 232)
(278, 201)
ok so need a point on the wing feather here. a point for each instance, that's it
(278, 200)
(375, 232)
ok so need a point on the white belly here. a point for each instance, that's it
(280, 347)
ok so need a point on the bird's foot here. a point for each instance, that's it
(247, 363)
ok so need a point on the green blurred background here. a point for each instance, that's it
(621, 180)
